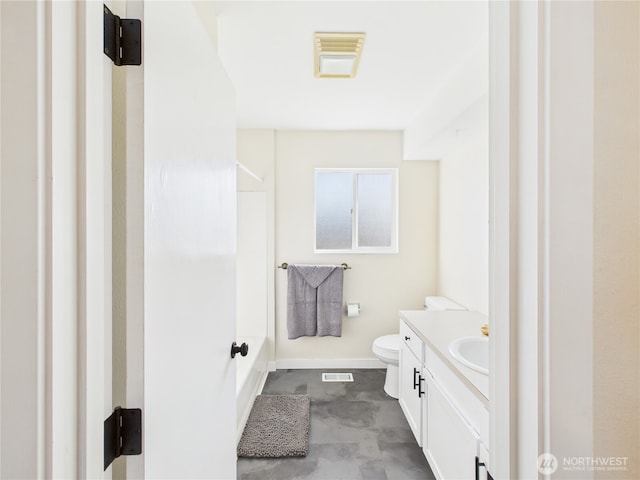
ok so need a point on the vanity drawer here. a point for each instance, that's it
(411, 339)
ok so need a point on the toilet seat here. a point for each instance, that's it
(387, 348)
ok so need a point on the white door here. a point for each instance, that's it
(181, 150)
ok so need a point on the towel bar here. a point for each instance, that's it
(285, 265)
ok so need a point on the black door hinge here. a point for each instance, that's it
(122, 434)
(122, 39)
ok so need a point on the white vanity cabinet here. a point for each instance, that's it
(451, 444)
(457, 422)
(412, 381)
(447, 414)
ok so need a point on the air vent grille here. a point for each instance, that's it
(337, 377)
(340, 45)
(337, 55)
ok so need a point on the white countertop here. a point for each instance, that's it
(437, 329)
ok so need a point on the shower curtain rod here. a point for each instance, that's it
(285, 265)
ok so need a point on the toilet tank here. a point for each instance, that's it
(441, 303)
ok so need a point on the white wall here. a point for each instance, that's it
(616, 260)
(463, 262)
(382, 283)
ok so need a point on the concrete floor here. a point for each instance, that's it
(357, 432)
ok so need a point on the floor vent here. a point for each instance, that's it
(337, 377)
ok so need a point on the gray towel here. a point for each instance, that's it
(314, 300)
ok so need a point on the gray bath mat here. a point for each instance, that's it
(278, 426)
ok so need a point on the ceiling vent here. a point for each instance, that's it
(337, 55)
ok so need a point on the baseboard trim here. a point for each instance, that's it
(245, 415)
(314, 363)
(262, 382)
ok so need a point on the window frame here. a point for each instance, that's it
(355, 248)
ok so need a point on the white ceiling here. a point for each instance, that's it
(413, 51)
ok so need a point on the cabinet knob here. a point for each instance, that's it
(242, 349)
(407, 338)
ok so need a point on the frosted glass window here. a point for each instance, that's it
(334, 207)
(375, 209)
(356, 210)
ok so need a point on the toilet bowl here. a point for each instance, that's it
(387, 349)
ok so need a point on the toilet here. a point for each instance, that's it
(387, 347)
(441, 303)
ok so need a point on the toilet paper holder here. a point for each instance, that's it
(352, 309)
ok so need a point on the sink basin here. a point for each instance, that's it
(472, 352)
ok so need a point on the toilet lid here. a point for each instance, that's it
(388, 342)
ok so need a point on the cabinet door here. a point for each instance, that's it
(451, 445)
(411, 384)
(483, 462)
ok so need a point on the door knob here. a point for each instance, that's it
(242, 349)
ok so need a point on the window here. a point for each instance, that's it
(356, 210)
